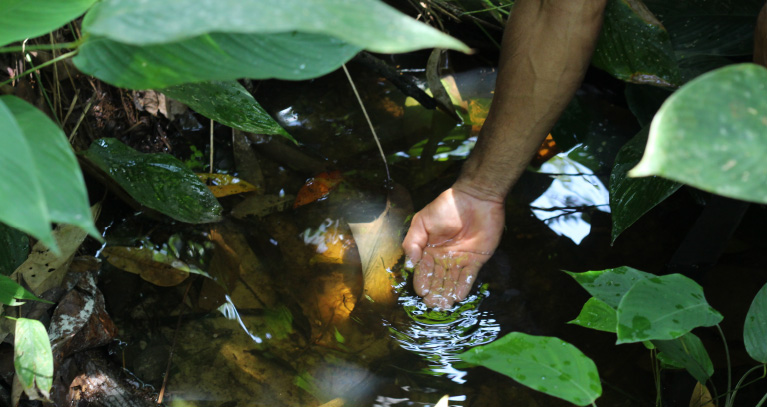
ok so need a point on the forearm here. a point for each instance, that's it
(547, 48)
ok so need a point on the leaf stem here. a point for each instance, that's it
(762, 401)
(40, 47)
(728, 401)
(740, 382)
(41, 66)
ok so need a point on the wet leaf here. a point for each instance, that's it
(51, 187)
(716, 146)
(631, 198)
(596, 314)
(380, 244)
(224, 184)
(755, 328)
(154, 266)
(610, 285)
(317, 187)
(368, 24)
(33, 359)
(14, 248)
(549, 365)
(634, 46)
(665, 307)
(261, 205)
(701, 397)
(10, 291)
(229, 103)
(158, 181)
(687, 352)
(21, 19)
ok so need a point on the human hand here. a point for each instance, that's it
(448, 242)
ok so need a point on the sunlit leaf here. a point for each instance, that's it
(158, 181)
(711, 134)
(665, 307)
(225, 184)
(610, 285)
(21, 19)
(687, 352)
(10, 292)
(157, 267)
(549, 365)
(14, 248)
(755, 328)
(228, 103)
(33, 359)
(596, 314)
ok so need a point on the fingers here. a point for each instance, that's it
(465, 281)
(416, 239)
(424, 275)
(442, 281)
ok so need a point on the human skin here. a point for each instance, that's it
(547, 46)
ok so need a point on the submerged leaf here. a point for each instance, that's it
(261, 205)
(317, 187)
(33, 359)
(152, 265)
(224, 184)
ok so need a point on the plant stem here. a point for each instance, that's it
(728, 401)
(40, 47)
(762, 401)
(740, 382)
(41, 66)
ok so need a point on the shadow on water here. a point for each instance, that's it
(285, 319)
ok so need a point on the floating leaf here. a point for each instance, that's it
(21, 19)
(610, 285)
(631, 198)
(224, 184)
(317, 188)
(158, 181)
(549, 365)
(14, 248)
(33, 359)
(687, 352)
(719, 145)
(152, 265)
(665, 307)
(755, 328)
(596, 314)
(10, 291)
(228, 103)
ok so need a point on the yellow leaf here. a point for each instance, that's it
(701, 397)
(225, 184)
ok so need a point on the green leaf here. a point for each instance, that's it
(228, 103)
(158, 181)
(10, 291)
(687, 352)
(47, 185)
(14, 248)
(610, 285)
(549, 365)
(33, 359)
(662, 308)
(631, 198)
(368, 24)
(718, 146)
(644, 101)
(596, 314)
(755, 328)
(634, 46)
(217, 56)
(21, 19)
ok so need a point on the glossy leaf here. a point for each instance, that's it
(596, 314)
(631, 198)
(634, 46)
(51, 187)
(610, 285)
(14, 248)
(549, 365)
(368, 24)
(688, 352)
(755, 328)
(213, 57)
(21, 19)
(662, 308)
(228, 103)
(10, 292)
(158, 181)
(711, 134)
(33, 359)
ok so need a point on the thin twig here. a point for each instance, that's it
(41, 66)
(370, 123)
(173, 343)
(210, 170)
(80, 120)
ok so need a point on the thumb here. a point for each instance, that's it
(416, 239)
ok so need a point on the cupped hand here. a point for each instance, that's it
(448, 242)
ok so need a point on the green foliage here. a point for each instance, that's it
(717, 146)
(687, 352)
(33, 359)
(10, 292)
(549, 365)
(47, 185)
(14, 248)
(158, 181)
(610, 285)
(755, 328)
(596, 314)
(21, 19)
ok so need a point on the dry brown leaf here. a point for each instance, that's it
(380, 244)
(701, 397)
(153, 266)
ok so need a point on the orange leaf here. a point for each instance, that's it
(225, 184)
(317, 188)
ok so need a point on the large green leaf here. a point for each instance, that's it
(14, 248)
(662, 308)
(216, 56)
(20, 19)
(631, 198)
(11, 291)
(596, 314)
(755, 328)
(33, 359)
(711, 134)
(688, 352)
(158, 181)
(368, 24)
(228, 103)
(634, 46)
(47, 185)
(610, 285)
(549, 365)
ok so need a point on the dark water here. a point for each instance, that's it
(287, 322)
